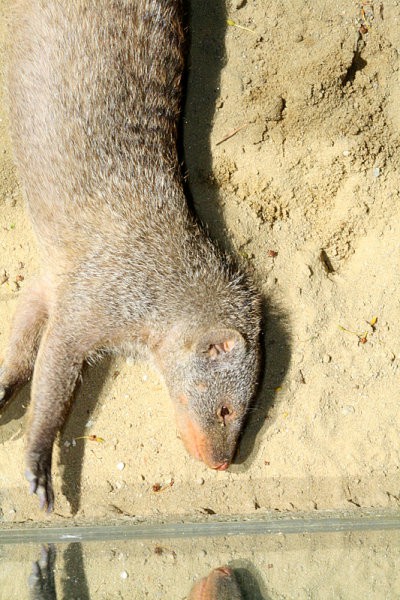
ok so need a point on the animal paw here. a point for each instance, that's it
(38, 473)
(41, 581)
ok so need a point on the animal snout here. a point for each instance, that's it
(221, 467)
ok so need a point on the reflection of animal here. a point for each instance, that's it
(94, 100)
(42, 585)
(220, 584)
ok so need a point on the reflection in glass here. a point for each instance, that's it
(220, 584)
(341, 565)
(41, 582)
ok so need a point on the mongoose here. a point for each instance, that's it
(94, 92)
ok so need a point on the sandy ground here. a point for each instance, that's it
(306, 191)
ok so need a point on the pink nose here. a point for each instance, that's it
(222, 467)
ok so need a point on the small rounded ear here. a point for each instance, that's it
(219, 343)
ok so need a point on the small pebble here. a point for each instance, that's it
(121, 466)
(348, 410)
(124, 575)
(240, 3)
(326, 358)
(202, 554)
(376, 171)
(200, 481)
(346, 152)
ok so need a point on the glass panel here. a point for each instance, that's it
(336, 565)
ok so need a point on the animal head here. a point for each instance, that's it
(212, 377)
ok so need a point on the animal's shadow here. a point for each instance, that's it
(71, 457)
(276, 359)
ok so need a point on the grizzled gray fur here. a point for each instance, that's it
(95, 92)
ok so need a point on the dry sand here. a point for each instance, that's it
(307, 193)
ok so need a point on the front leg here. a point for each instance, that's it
(57, 368)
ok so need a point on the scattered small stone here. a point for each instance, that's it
(346, 152)
(200, 481)
(121, 466)
(348, 410)
(124, 575)
(202, 553)
(240, 4)
(326, 358)
(376, 171)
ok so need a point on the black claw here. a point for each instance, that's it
(39, 476)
